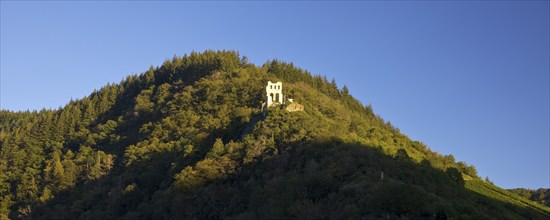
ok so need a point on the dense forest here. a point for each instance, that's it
(189, 140)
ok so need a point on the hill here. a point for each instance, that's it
(189, 140)
(541, 195)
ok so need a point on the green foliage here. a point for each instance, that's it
(455, 175)
(402, 155)
(541, 195)
(143, 102)
(188, 140)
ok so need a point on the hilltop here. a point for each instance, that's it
(189, 139)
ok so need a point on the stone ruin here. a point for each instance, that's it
(274, 93)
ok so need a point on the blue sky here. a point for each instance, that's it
(467, 78)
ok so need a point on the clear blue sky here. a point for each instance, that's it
(467, 78)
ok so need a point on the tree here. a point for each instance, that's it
(467, 169)
(450, 157)
(5, 203)
(143, 102)
(27, 194)
(218, 148)
(455, 176)
(55, 173)
(150, 75)
(71, 170)
(402, 155)
(488, 180)
(345, 90)
(98, 163)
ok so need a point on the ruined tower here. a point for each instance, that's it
(274, 93)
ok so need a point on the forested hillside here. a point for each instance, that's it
(170, 144)
(541, 195)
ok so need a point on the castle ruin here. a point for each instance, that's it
(274, 93)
